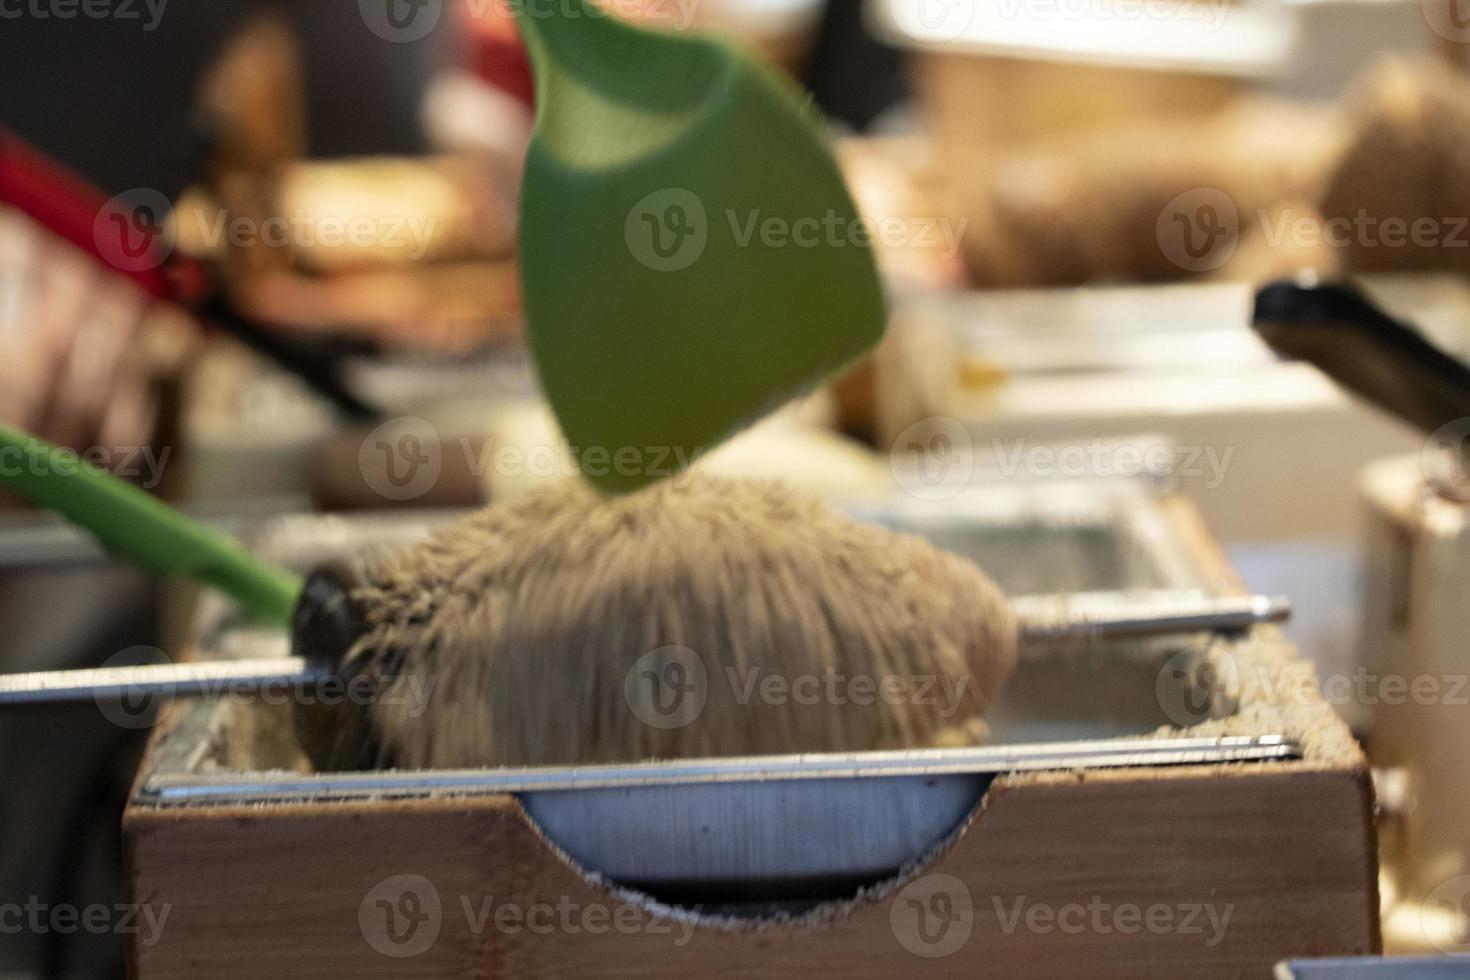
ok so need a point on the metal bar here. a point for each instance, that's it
(1064, 617)
(222, 788)
(1041, 619)
(205, 678)
(1375, 968)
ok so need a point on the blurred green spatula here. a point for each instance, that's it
(141, 528)
(689, 255)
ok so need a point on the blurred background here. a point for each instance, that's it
(1073, 203)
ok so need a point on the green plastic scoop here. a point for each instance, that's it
(689, 255)
(134, 525)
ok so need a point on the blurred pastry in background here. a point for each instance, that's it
(1261, 189)
(404, 252)
(1400, 196)
(1089, 207)
(392, 211)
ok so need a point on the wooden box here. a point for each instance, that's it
(1193, 870)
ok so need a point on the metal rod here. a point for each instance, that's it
(1070, 617)
(202, 678)
(1042, 619)
(1031, 757)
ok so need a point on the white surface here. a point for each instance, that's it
(1207, 37)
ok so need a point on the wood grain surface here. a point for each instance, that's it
(1191, 871)
(1181, 873)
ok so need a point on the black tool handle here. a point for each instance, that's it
(1388, 362)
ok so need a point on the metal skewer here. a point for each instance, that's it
(855, 817)
(1035, 757)
(1041, 619)
(205, 677)
(1044, 618)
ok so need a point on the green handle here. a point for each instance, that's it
(134, 525)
